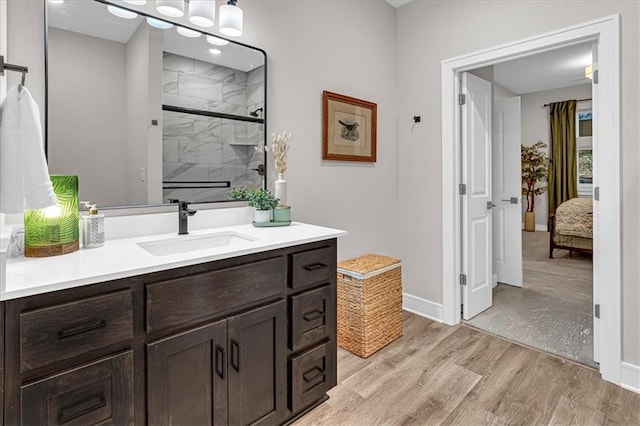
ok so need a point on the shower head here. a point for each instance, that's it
(255, 113)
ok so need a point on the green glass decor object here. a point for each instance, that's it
(54, 230)
(282, 214)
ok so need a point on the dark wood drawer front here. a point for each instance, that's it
(63, 331)
(198, 297)
(312, 317)
(313, 267)
(310, 377)
(98, 393)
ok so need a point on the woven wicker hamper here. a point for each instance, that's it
(369, 303)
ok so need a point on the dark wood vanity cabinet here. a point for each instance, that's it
(239, 341)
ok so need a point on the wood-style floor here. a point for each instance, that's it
(439, 374)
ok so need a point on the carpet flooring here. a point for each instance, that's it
(553, 311)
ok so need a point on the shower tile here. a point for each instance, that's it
(178, 63)
(198, 87)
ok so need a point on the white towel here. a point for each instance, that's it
(24, 176)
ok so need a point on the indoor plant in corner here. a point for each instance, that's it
(534, 170)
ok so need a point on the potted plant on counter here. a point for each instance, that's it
(534, 170)
(264, 202)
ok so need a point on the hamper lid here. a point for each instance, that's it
(367, 265)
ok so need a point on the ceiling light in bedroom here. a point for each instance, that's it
(215, 51)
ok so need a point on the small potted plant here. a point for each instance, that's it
(264, 202)
(534, 170)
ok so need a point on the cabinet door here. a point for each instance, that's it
(187, 377)
(257, 365)
(93, 394)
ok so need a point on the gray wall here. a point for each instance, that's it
(424, 37)
(536, 126)
(86, 120)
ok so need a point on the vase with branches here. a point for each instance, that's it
(534, 171)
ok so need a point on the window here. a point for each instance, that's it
(584, 143)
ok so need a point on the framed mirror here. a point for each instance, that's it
(145, 111)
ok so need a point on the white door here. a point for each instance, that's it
(476, 203)
(506, 174)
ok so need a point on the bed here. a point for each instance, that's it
(572, 226)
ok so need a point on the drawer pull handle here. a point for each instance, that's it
(235, 355)
(81, 408)
(220, 361)
(313, 315)
(314, 267)
(82, 328)
(311, 375)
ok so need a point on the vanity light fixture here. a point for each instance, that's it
(186, 32)
(231, 19)
(217, 41)
(215, 51)
(121, 13)
(172, 8)
(136, 2)
(202, 12)
(157, 23)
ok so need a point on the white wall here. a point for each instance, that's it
(86, 120)
(425, 36)
(536, 127)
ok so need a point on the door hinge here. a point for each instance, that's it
(462, 99)
(596, 193)
(596, 76)
(463, 279)
(462, 189)
(596, 310)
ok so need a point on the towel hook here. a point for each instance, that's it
(11, 67)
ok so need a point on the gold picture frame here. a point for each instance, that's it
(349, 128)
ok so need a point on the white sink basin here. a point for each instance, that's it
(182, 244)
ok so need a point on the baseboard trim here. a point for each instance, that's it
(423, 307)
(539, 227)
(630, 377)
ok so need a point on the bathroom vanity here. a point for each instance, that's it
(244, 334)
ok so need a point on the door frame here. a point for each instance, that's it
(607, 237)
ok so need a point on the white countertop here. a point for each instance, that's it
(121, 258)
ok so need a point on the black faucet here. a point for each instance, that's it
(183, 215)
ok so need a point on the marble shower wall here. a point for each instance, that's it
(198, 148)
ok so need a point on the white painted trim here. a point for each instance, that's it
(423, 307)
(630, 377)
(494, 281)
(607, 233)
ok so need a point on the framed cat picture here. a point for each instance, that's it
(349, 129)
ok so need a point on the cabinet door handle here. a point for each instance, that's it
(235, 355)
(81, 408)
(314, 267)
(313, 315)
(82, 328)
(220, 361)
(312, 375)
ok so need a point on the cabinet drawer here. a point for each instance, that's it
(312, 317)
(312, 267)
(198, 297)
(63, 331)
(97, 393)
(311, 375)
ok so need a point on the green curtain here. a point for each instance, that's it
(563, 164)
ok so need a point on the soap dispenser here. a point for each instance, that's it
(92, 227)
